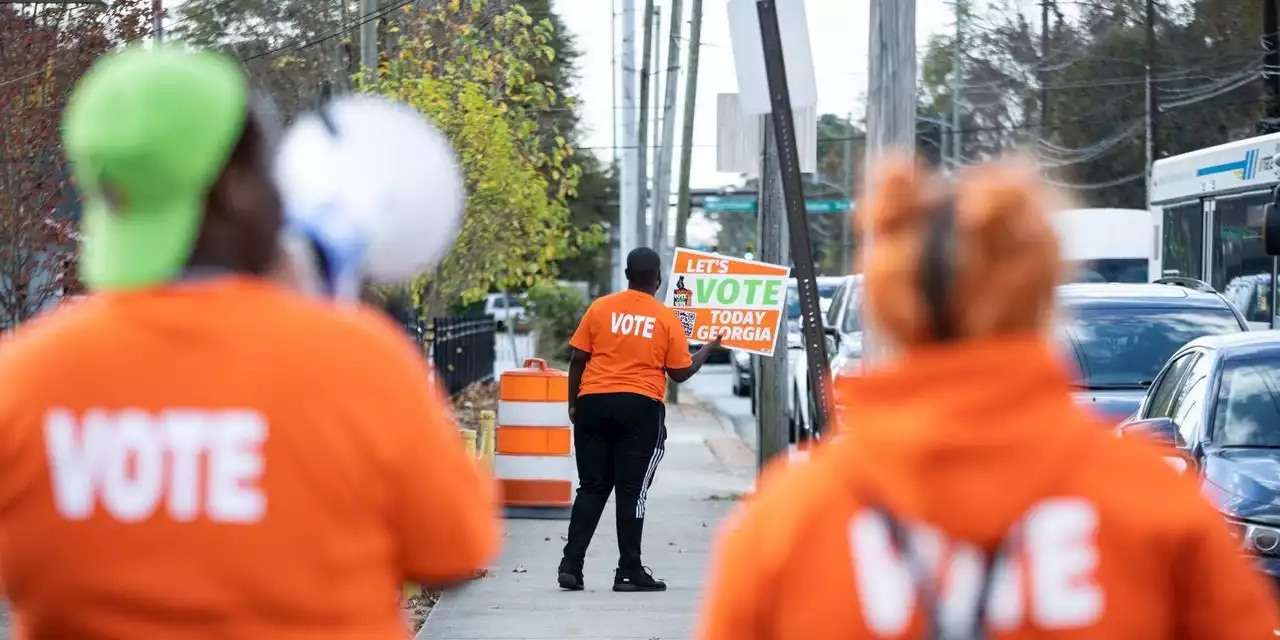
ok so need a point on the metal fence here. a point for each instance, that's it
(462, 350)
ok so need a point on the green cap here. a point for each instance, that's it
(148, 132)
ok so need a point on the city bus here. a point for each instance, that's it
(1107, 245)
(1208, 207)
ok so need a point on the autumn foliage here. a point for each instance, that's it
(44, 49)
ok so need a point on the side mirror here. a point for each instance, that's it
(1271, 227)
(831, 340)
(1164, 433)
(1160, 431)
(832, 332)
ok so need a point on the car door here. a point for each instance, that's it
(1162, 397)
(1191, 405)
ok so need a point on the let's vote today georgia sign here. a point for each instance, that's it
(719, 295)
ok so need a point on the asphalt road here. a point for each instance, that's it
(714, 386)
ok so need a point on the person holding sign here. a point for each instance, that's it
(195, 451)
(973, 497)
(626, 346)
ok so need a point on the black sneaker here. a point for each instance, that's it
(571, 578)
(637, 580)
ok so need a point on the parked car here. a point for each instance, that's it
(1118, 336)
(744, 377)
(744, 373)
(1252, 297)
(1215, 407)
(505, 308)
(827, 286)
(843, 328)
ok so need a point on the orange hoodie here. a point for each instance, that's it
(968, 447)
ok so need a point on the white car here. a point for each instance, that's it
(504, 307)
(843, 325)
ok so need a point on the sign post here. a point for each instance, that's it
(743, 300)
(780, 98)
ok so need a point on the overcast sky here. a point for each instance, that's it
(837, 32)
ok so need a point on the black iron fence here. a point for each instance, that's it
(462, 350)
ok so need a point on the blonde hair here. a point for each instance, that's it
(1007, 260)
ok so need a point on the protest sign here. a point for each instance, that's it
(741, 299)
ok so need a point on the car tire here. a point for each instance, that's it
(740, 389)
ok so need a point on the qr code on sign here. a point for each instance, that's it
(687, 319)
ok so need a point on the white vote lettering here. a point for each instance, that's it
(629, 324)
(197, 462)
(1058, 544)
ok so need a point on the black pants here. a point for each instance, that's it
(619, 439)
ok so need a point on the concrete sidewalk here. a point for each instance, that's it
(705, 469)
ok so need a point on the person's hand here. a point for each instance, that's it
(718, 339)
(573, 415)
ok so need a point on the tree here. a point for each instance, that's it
(593, 205)
(471, 70)
(293, 50)
(1208, 63)
(44, 49)
(296, 50)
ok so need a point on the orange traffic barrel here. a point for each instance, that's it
(533, 445)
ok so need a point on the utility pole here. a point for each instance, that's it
(369, 37)
(613, 76)
(629, 168)
(846, 229)
(157, 21)
(772, 437)
(662, 186)
(683, 202)
(1271, 24)
(955, 144)
(1044, 73)
(1153, 100)
(642, 137)
(891, 110)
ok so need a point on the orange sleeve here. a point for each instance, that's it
(581, 339)
(1219, 595)
(677, 344)
(732, 608)
(445, 508)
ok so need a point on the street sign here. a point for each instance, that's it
(827, 206)
(715, 204)
(741, 299)
(749, 62)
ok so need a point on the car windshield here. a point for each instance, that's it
(1248, 410)
(1111, 270)
(825, 293)
(1126, 347)
(793, 303)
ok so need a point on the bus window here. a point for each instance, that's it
(1236, 241)
(1183, 247)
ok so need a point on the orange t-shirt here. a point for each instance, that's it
(227, 460)
(633, 339)
(1102, 539)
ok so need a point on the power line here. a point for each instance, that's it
(292, 48)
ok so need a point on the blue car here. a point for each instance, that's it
(1216, 407)
(1120, 335)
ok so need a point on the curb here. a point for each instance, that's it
(422, 632)
(727, 423)
(729, 449)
